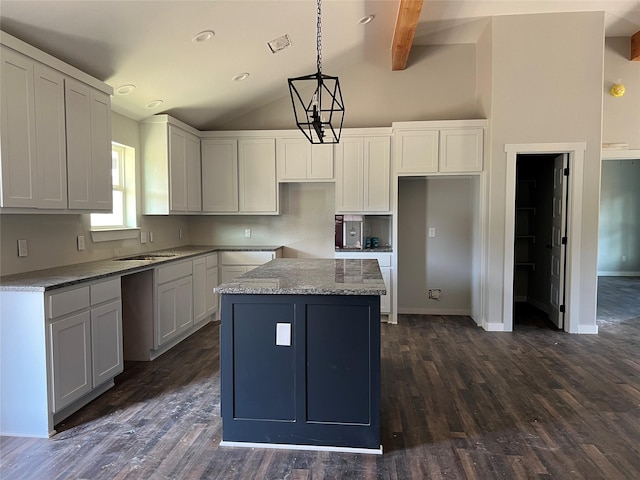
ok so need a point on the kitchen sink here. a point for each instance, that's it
(148, 256)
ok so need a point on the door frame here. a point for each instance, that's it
(576, 154)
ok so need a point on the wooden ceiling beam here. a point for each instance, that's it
(635, 47)
(406, 23)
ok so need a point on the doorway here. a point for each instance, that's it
(540, 239)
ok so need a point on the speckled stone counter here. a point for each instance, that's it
(306, 276)
(58, 277)
(300, 355)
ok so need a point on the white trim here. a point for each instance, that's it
(114, 234)
(493, 326)
(576, 152)
(587, 329)
(618, 274)
(620, 154)
(317, 448)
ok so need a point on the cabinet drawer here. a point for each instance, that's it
(173, 272)
(66, 302)
(104, 291)
(246, 258)
(212, 261)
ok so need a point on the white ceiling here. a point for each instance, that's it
(149, 43)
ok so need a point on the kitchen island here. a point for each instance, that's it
(300, 355)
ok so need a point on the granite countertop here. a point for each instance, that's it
(365, 250)
(58, 277)
(310, 276)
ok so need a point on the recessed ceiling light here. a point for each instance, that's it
(125, 89)
(154, 103)
(241, 76)
(366, 19)
(203, 36)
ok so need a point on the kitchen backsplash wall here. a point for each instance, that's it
(304, 226)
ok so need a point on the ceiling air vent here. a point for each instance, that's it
(279, 43)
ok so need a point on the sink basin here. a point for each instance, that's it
(148, 256)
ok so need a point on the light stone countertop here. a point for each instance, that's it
(58, 277)
(310, 276)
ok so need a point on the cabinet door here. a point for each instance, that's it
(376, 174)
(220, 175)
(51, 138)
(293, 156)
(257, 185)
(194, 176)
(461, 150)
(106, 342)
(101, 179)
(385, 300)
(71, 359)
(17, 142)
(177, 169)
(200, 292)
(349, 175)
(78, 110)
(416, 152)
(320, 165)
(175, 309)
(230, 272)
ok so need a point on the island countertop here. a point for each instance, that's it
(310, 276)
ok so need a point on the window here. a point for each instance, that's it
(123, 178)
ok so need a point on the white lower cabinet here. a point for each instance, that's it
(385, 300)
(85, 339)
(211, 299)
(234, 264)
(384, 261)
(205, 279)
(174, 301)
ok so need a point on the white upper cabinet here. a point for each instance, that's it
(239, 175)
(301, 161)
(172, 167)
(423, 148)
(362, 174)
(88, 147)
(55, 134)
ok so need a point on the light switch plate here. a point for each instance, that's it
(22, 248)
(151, 237)
(143, 237)
(80, 243)
(432, 231)
(247, 233)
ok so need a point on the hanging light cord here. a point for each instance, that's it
(319, 36)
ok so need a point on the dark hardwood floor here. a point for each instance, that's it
(618, 298)
(457, 403)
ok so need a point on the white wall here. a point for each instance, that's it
(305, 224)
(52, 238)
(621, 116)
(444, 261)
(547, 88)
(619, 233)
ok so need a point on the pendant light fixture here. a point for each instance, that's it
(320, 114)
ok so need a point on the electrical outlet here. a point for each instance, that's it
(435, 293)
(143, 237)
(247, 233)
(151, 237)
(80, 243)
(22, 248)
(432, 231)
(180, 233)
(624, 258)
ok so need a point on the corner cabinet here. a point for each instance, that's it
(55, 134)
(172, 167)
(239, 175)
(363, 174)
(448, 147)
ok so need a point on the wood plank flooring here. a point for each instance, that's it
(457, 403)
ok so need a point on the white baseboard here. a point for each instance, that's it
(434, 311)
(618, 274)
(493, 326)
(588, 329)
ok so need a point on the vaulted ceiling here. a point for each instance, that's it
(151, 44)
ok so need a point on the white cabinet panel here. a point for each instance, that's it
(18, 141)
(174, 301)
(212, 298)
(349, 175)
(71, 359)
(385, 300)
(300, 161)
(461, 150)
(257, 184)
(177, 169)
(228, 273)
(220, 175)
(101, 181)
(200, 290)
(194, 175)
(416, 152)
(376, 174)
(106, 342)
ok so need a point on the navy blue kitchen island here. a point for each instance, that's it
(300, 355)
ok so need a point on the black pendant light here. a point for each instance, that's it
(320, 116)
